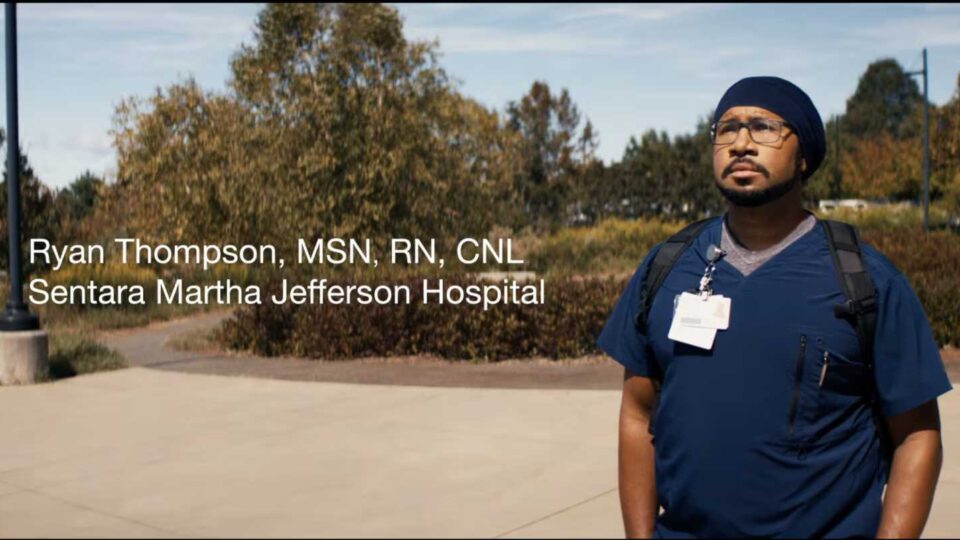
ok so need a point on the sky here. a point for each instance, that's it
(629, 68)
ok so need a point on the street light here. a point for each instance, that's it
(926, 143)
(16, 317)
(23, 346)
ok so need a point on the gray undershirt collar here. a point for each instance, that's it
(745, 260)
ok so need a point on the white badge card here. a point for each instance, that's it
(712, 311)
(692, 335)
(696, 319)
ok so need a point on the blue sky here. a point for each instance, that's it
(628, 67)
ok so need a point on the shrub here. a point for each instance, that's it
(928, 262)
(574, 311)
(614, 246)
(75, 354)
(565, 325)
(111, 273)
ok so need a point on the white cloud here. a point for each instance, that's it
(933, 30)
(488, 39)
(184, 19)
(636, 12)
(501, 40)
(138, 38)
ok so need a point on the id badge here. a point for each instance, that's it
(697, 318)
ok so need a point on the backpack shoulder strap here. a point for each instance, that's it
(660, 266)
(861, 306)
(861, 303)
(663, 261)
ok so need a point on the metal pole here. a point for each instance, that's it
(836, 156)
(16, 317)
(926, 147)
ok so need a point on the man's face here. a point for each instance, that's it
(752, 174)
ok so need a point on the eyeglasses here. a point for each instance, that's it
(762, 130)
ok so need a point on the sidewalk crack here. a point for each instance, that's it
(558, 512)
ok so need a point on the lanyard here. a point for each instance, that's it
(713, 255)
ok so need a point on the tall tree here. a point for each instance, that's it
(333, 125)
(945, 151)
(885, 101)
(555, 152)
(81, 195)
(39, 217)
(672, 177)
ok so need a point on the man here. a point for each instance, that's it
(764, 425)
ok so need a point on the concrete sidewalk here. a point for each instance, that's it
(150, 453)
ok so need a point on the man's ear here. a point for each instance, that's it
(803, 165)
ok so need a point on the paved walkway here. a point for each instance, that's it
(148, 452)
(147, 347)
(143, 452)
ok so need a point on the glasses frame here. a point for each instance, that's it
(741, 125)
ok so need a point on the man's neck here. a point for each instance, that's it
(760, 227)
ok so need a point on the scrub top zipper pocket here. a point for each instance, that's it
(797, 381)
(823, 368)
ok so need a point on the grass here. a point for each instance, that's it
(74, 354)
(198, 340)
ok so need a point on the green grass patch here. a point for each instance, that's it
(74, 354)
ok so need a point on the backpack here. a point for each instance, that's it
(860, 307)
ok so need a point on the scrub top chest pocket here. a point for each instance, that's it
(831, 387)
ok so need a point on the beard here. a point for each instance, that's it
(754, 198)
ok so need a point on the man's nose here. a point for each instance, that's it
(743, 144)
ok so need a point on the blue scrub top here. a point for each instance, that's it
(748, 440)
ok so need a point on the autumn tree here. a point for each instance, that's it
(375, 137)
(555, 152)
(334, 124)
(945, 150)
(885, 101)
(883, 167)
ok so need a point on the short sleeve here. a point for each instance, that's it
(908, 368)
(619, 337)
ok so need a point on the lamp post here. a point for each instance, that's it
(16, 317)
(23, 346)
(926, 143)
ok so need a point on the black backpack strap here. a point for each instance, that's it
(861, 304)
(660, 266)
(663, 261)
(860, 308)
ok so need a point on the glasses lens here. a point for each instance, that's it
(764, 130)
(725, 132)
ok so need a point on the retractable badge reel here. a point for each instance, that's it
(698, 316)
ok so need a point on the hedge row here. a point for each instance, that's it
(565, 325)
(929, 263)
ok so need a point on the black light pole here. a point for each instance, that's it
(836, 155)
(16, 317)
(926, 143)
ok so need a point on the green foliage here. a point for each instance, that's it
(334, 125)
(885, 101)
(613, 246)
(113, 273)
(669, 178)
(39, 214)
(555, 152)
(79, 198)
(74, 354)
(566, 325)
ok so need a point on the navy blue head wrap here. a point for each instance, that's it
(787, 100)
